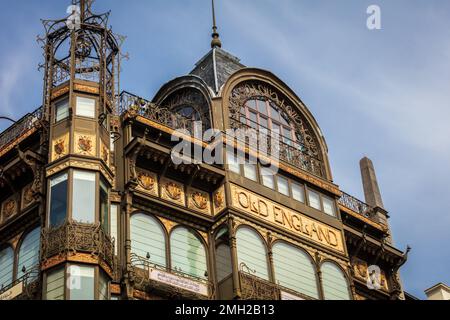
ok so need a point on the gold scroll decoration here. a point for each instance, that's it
(173, 192)
(219, 200)
(287, 219)
(85, 144)
(147, 182)
(60, 147)
(199, 201)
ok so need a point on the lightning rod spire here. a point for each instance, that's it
(215, 43)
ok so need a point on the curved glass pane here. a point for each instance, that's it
(6, 267)
(294, 270)
(29, 252)
(187, 253)
(147, 237)
(252, 252)
(335, 285)
(223, 262)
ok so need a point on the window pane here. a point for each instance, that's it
(83, 208)
(251, 104)
(62, 110)
(335, 286)
(275, 130)
(104, 206)
(187, 253)
(268, 177)
(55, 285)
(85, 107)
(250, 171)
(283, 186)
(328, 206)
(232, 162)
(298, 192)
(253, 120)
(263, 122)
(223, 262)
(29, 252)
(103, 286)
(314, 200)
(251, 252)
(114, 226)
(294, 269)
(6, 267)
(147, 238)
(262, 107)
(82, 281)
(58, 200)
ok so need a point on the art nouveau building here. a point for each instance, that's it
(93, 206)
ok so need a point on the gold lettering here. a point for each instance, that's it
(332, 235)
(243, 200)
(324, 234)
(314, 230)
(263, 208)
(277, 214)
(286, 218)
(297, 225)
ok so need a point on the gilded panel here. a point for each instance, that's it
(147, 182)
(60, 147)
(85, 144)
(27, 196)
(173, 192)
(10, 208)
(199, 201)
(219, 201)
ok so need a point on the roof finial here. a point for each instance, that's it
(215, 35)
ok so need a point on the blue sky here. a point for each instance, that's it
(382, 94)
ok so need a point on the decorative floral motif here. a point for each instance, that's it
(105, 154)
(199, 200)
(173, 191)
(146, 181)
(85, 144)
(219, 199)
(60, 147)
(9, 208)
(28, 196)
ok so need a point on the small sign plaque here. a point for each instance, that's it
(179, 282)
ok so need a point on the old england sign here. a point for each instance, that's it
(287, 219)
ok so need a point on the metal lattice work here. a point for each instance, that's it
(31, 284)
(356, 205)
(20, 128)
(135, 105)
(73, 237)
(254, 288)
(305, 153)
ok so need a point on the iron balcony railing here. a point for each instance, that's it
(74, 237)
(357, 206)
(18, 129)
(133, 104)
(31, 284)
(141, 274)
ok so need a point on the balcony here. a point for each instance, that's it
(149, 277)
(137, 106)
(27, 287)
(19, 131)
(72, 238)
(255, 288)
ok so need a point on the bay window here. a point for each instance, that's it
(85, 107)
(58, 200)
(104, 206)
(83, 203)
(62, 110)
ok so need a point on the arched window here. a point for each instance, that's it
(294, 269)
(335, 285)
(223, 254)
(188, 112)
(6, 267)
(147, 238)
(188, 254)
(29, 252)
(252, 252)
(264, 115)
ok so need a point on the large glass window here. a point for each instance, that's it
(294, 270)
(6, 267)
(104, 206)
(329, 206)
(58, 200)
(114, 225)
(268, 177)
(188, 253)
(62, 110)
(83, 203)
(298, 192)
(252, 254)
(233, 163)
(147, 239)
(283, 185)
(250, 171)
(55, 284)
(314, 200)
(81, 282)
(223, 254)
(85, 107)
(29, 252)
(103, 287)
(335, 285)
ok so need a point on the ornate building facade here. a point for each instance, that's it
(94, 205)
